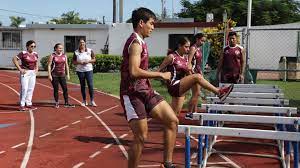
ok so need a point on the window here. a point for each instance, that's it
(11, 40)
(72, 43)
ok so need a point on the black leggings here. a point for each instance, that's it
(63, 83)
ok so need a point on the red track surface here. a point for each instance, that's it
(73, 137)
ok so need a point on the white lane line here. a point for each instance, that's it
(123, 136)
(107, 109)
(21, 144)
(88, 117)
(76, 122)
(95, 154)
(63, 127)
(107, 146)
(2, 152)
(31, 134)
(78, 165)
(41, 136)
(229, 160)
(30, 142)
(149, 165)
(122, 148)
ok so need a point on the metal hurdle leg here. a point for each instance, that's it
(187, 148)
(296, 149)
(200, 150)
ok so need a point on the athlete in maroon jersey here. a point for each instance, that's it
(57, 68)
(181, 81)
(138, 98)
(28, 70)
(195, 63)
(232, 62)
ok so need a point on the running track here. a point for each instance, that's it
(86, 136)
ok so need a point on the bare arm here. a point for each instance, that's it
(93, 60)
(191, 55)
(168, 60)
(15, 60)
(74, 60)
(243, 61)
(135, 71)
(49, 67)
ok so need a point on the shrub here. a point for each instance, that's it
(106, 63)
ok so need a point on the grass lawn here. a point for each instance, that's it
(110, 83)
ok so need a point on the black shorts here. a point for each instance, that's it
(139, 105)
(173, 88)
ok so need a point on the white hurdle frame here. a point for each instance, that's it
(250, 101)
(257, 95)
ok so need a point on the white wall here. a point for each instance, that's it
(267, 46)
(157, 42)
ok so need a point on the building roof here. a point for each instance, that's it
(67, 26)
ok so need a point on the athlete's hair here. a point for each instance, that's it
(182, 40)
(143, 14)
(232, 34)
(79, 43)
(198, 36)
(56, 46)
(28, 43)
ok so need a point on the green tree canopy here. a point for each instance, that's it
(264, 12)
(70, 17)
(16, 21)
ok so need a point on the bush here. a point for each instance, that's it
(106, 63)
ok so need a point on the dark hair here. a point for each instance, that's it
(56, 45)
(143, 14)
(82, 40)
(198, 36)
(182, 40)
(28, 43)
(231, 34)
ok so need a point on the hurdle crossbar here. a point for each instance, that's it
(241, 132)
(265, 86)
(252, 101)
(257, 90)
(257, 95)
(247, 108)
(246, 118)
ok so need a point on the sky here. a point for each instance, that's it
(94, 9)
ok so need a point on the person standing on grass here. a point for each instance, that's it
(182, 80)
(84, 58)
(195, 64)
(232, 62)
(58, 71)
(138, 98)
(28, 69)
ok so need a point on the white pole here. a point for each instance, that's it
(249, 13)
(120, 11)
(172, 8)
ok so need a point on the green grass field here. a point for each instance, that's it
(109, 83)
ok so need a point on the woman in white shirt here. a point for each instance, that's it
(84, 58)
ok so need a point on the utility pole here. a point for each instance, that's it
(121, 11)
(114, 11)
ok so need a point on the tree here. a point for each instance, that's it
(70, 17)
(264, 12)
(16, 21)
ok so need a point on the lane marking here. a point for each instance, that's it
(122, 148)
(2, 152)
(88, 117)
(21, 144)
(107, 146)
(63, 127)
(95, 154)
(107, 109)
(123, 136)
(78, 165)
(45, 135)
(76, 122)
(149, 165)
(31, 134)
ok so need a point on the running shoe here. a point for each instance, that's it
(56, 105)
(224, 92)
(93, 104)
(189, 116)
(67, 105)
(22, 108)
(167, 165)
(31, 107)
(84, 103)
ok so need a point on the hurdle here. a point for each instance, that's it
(250, 101)
(257, 95)
(265, 86)
(239, 132)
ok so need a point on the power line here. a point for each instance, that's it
(24, 13)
